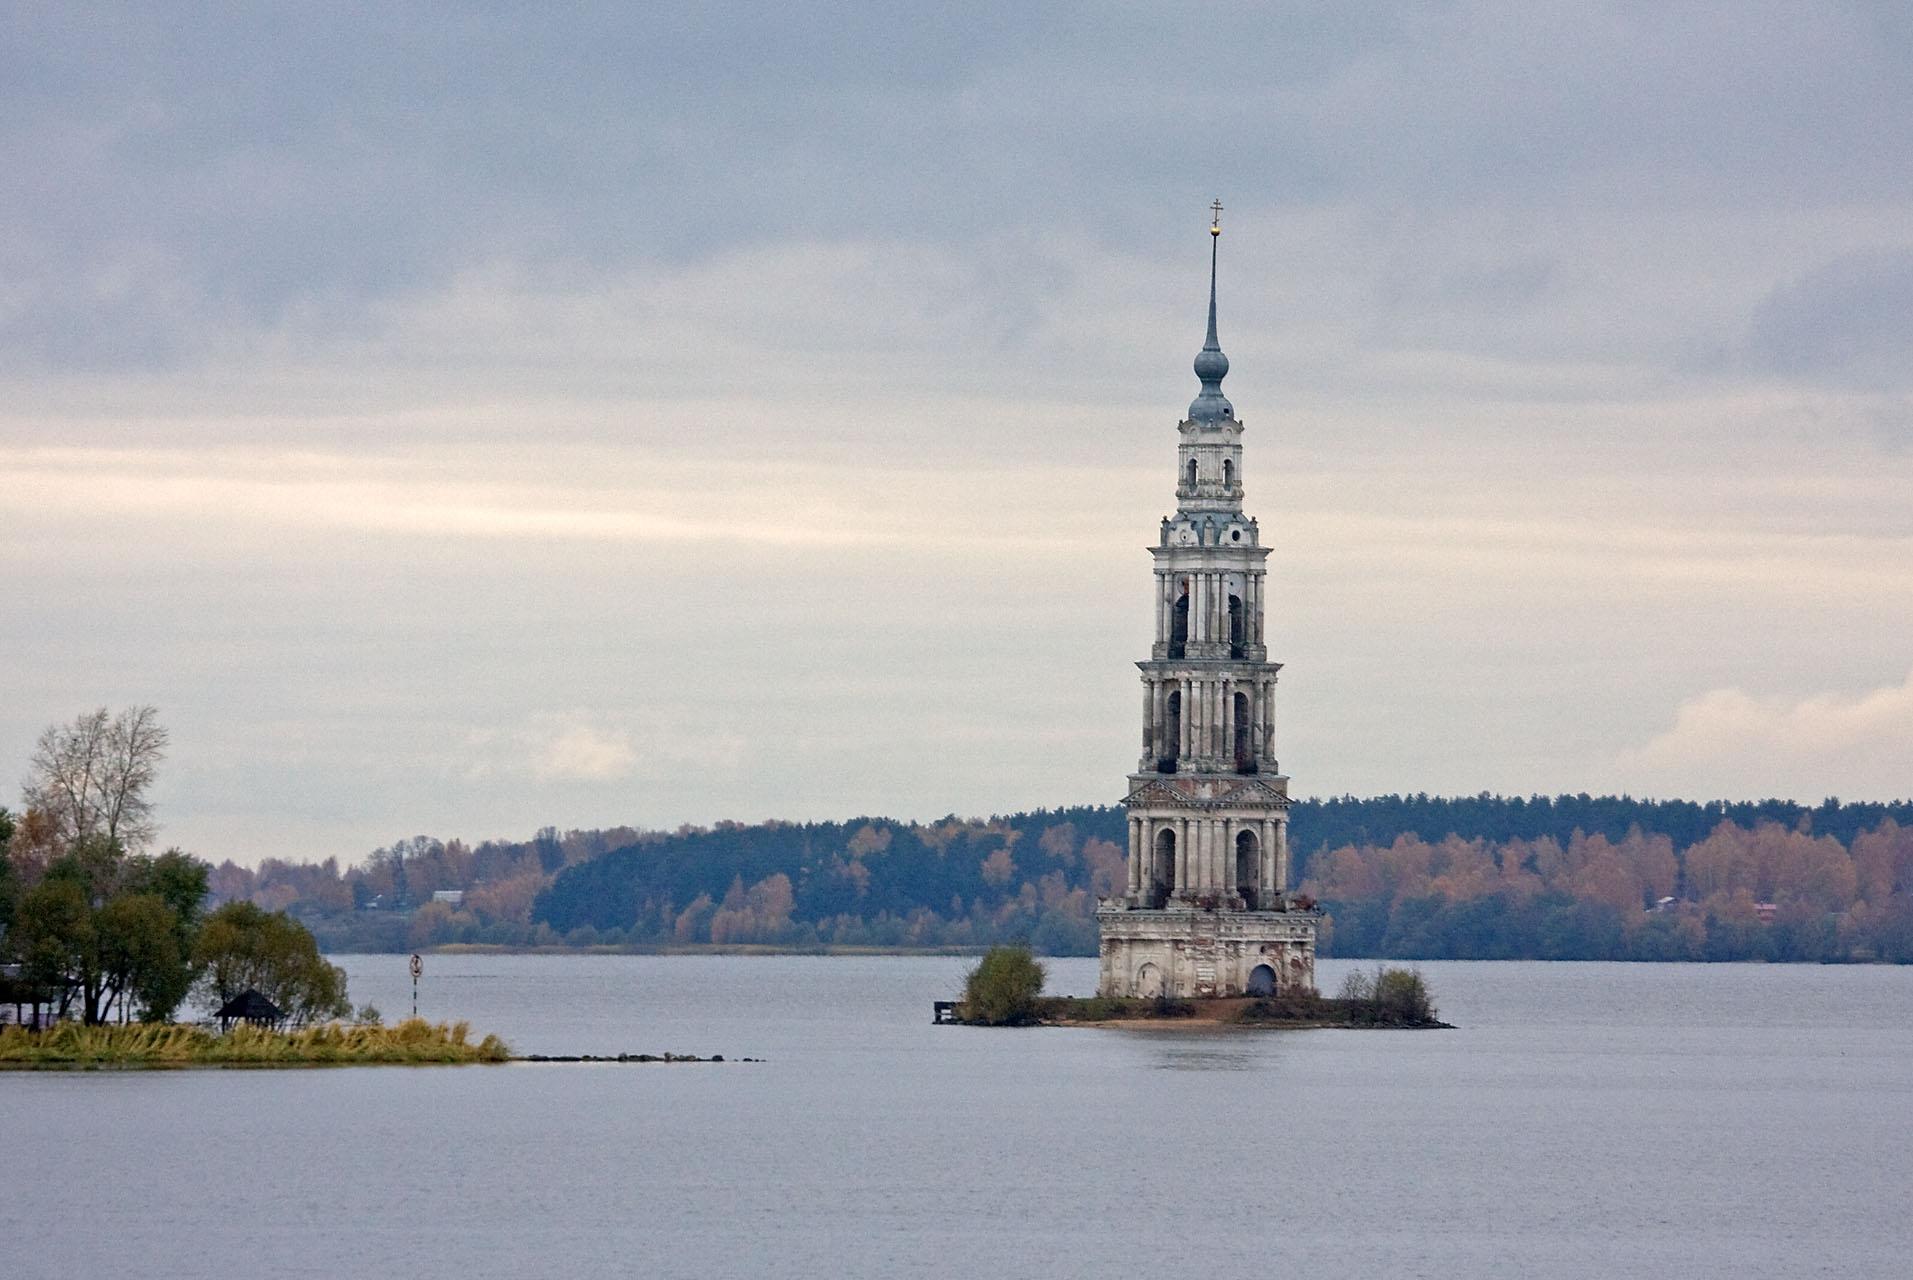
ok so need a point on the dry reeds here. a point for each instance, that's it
(414, 1042)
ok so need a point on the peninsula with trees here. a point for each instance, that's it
(102, 942)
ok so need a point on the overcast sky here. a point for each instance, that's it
(465, 420)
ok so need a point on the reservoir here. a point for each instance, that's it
(1586, 1120)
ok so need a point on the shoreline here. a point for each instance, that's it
(1229, 1013)
(770, 949)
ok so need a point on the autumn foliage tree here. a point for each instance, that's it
(1768, 892)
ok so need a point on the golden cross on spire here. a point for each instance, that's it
(1215, 217)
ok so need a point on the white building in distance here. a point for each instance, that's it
(1206, 911)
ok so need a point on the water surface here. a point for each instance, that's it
(1588, 1120)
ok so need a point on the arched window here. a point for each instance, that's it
(1248, 871)
(1192, 473)
(1162, 869)
(1235, 626)
(1179, 626)
(1228, 474)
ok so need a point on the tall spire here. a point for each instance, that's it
(1210, 405)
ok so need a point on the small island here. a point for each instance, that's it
(1005, 989)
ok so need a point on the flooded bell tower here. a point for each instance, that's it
(1206, 911)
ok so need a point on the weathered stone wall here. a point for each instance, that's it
(1187, 954)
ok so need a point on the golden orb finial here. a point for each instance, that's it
(1215, 217)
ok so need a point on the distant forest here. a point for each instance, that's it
(1491, 877)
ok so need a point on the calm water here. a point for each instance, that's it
(1588, 1120)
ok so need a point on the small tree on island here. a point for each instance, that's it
(1398, 997)
(243, 947)
(1002, 990)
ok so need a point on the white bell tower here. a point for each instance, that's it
(1206, 910)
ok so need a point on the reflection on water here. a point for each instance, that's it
(1201, 1048)
(1586, 1121)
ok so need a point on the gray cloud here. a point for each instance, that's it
(257, 167)
(1848, 321)
(505, 416)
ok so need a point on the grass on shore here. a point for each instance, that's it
(413, 1042)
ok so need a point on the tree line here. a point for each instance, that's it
(95, 928)
(1765, 892)
(1400, 876)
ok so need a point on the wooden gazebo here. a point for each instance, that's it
(249, 1006)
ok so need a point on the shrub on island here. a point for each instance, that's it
(1002, 990)
(1388, 997)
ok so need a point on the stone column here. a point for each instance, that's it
(1192, 864)
(1226, 831)
(1209, 714)
(1194, 837)
(1227, 694)
(1129, 867)
(1156, 719)
(1282, 850)
(1220, 834)
(1148, 717)
(1219, 746)
(1192, 708)
(1219, 857)
(1268, 718)
(1186, 730)
(1265, 859)
(1194, 869)
(1209, 717)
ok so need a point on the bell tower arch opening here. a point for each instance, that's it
(1248, 864)
(1162, 869)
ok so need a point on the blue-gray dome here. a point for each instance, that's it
(1211, 365)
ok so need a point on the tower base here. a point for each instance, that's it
(1187, 954)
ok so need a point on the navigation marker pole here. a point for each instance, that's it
(418, 967)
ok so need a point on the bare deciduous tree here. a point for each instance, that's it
(91, 777)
